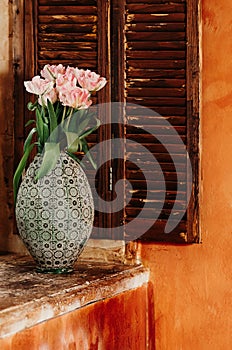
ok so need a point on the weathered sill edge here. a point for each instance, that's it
(28, 298)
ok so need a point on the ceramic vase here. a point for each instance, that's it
(55, 214)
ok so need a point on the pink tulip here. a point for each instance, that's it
(38, 86)
(76, 98)
(65, 81)
(51, 72)
(70, 74)
(90, 80)
(51, 95)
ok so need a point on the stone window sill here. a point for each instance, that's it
(28, 298)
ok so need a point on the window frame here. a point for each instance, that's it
(113, 65)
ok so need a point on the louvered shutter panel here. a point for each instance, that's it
(67, 33)
(70, 32)
(155, 35)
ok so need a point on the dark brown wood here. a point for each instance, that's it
(104, 132)
(193, 117)
(156, 232)
(68, 10)
(158, 128)
(159, 101)
(155, 1)
(67, 38)
(67, 2)
(149, 17)
(65, 56)
(156, 48)
(139, 195)
(18, 67)
(156, 45)
(157, 36)
(156, 92)
(155, 73)
(67, 19)
(154, 64)
(156, 83)
(118, 95)
(156, 8)
(67, 28)
(156, 55)
(68, 46)
(159, 27)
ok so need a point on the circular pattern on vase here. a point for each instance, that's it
(55, 214)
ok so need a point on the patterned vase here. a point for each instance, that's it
(55, 214)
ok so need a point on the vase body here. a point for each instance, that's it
(55, 214)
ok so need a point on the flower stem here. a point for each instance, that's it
(69, 116)
(63, 116)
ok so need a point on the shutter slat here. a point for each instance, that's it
(66, 19)
(150, 64)
(139, 203)
(155, 1)
(145, 83)
(156, 36)
(156, 8)
(156, 92)
(68, 10)
(159, 101)
(166, 167)
(153, 122)
(149, 213)
(155, 148)
(67, 2)
(71, 62)
(159, 27)
(156, 45)
(155, 17)
(67, 28)
(155, 55)
(155, 73)
(65, 56)
(67, 46)
(150, 175)
(156, 232)
(54, 37)
(147, 138)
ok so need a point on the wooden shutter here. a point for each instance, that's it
(149, 53)
(156, 63)
(70, 32)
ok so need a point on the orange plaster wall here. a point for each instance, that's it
(193, 284)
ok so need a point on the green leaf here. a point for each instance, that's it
(86, 151)
(28, 139)
(31, 121)
(20, 169)
(50, 157)
(45, 132)
(52, 116)
(73, 141)
(90, 130)
(32, 106)
(39, 126)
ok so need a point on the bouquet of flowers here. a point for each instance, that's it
(63, 97)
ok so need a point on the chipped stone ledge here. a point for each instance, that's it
(28, 298)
